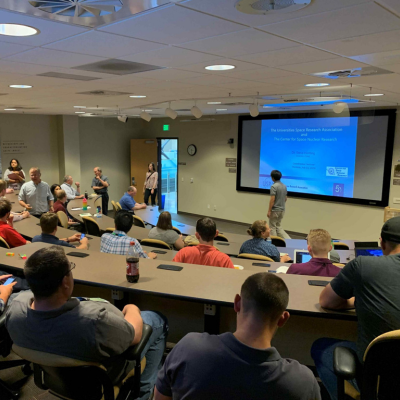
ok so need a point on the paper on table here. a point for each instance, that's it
(79, 208)
(282, 270)
(283, 254)
(85, 215)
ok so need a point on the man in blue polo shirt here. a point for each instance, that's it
(128, 203)
(49, 223)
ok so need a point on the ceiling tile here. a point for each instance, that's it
(324, 65)
(168, 74)
(49, 31)
(293, 55)
(170, 57)
(391, 5)
(239, 43)
(226, 9)
(347, 22)
(8, 49)
(53, 58)
(352, 46)
(172, 25)
(382, 58)
(265, 74)
(103, 45)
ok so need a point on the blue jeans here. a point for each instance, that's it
(153, 351)
(322, 354)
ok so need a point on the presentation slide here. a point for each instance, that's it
(320, 155)
(317, 155)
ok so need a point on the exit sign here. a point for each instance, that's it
(165, 127)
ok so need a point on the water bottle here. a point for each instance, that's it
(132, 264)
(86, 195)
(84, 204)
(269, 240)
(98, 215)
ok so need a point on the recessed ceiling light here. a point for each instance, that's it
(17, 30)
(317, 84)
(137, 96)
(80, 112)
(10, 109)
(219, 67)
(221, 109)
(79, 106)
(20, 86)
(373, 94)
(214, 102)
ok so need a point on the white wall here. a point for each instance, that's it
(40, 135)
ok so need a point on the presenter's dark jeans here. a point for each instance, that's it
(104, 203)
(147, 194)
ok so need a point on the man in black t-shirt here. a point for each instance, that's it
(242, 365)
(372, 286)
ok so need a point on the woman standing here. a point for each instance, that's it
(150, 185)
(14, 175)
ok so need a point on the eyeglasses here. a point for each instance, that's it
(73, 265)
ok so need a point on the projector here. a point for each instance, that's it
(122, 118)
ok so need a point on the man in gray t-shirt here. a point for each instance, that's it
(49, 320)
(372, 286)
(242, 365)
(276, 210)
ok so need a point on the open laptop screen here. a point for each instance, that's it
(369, 252)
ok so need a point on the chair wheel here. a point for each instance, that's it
(26, 369)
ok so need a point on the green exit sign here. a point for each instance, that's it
(165, 127)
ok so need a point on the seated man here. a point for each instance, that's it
(49, 225)
(59, 205)
(48, 319)
(119, 242)
(319, 245)
(16, 216)
(7, 232)
(71, 193)
(242, 365)
(371, 284)
(205, 253)
(127, 200)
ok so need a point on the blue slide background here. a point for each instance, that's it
(315, 155)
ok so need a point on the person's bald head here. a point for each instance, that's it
(132, 190)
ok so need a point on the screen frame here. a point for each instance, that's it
(384, 202)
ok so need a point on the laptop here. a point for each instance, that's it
(303, 256)
(366, 245)
(372, 252)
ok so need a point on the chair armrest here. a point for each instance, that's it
(3, 317)
(345, 363)
(134, 352)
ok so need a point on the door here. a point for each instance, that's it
(168, 174)
(143, 152)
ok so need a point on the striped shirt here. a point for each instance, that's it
(261, 247)
(119, 242)
(151, 181)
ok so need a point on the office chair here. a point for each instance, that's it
(137, 221)
(255, 257)
(72, 379)
(159, 244)
(91, 226)
(221, 238)
(5, 347)
(110, 230)
(278, 241)
(378, 377)
(3, 243)
(339, 265)
(114, 205)
(340, 246)
(177, 230)
(63, 219)
(118, 205)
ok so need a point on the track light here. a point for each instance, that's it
(254, 110)
(122, 118)
(146, 116)
(169, 112)
(197, 113)
(339, 107)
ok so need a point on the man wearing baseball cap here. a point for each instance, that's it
(372, 286)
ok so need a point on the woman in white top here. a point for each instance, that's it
(163, 231)
(17, 178)
(150, 185)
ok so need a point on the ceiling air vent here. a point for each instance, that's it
(117, 67)
(90, 13)
(104, 93)
(68, 76)
(352, 73)
(264, 7)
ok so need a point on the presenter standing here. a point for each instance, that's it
(14, 175)
(100, 185)
(150, 185)
(276, 210)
